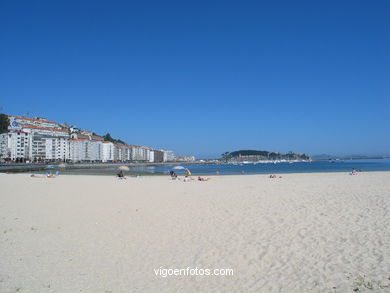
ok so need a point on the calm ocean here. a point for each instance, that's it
(229, 169)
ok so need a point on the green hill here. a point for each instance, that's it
(261, 155)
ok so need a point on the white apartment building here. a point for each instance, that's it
(122, 152)
(84, 150)
(47, 147)
(34, 139)
(169, 156)
(39, 139)
(108, 151)
(76, 153)
(151, 156)
(14, 145)
(40, 122)
(139, 153)
(56, 148)
(47, 143)
(3, 146)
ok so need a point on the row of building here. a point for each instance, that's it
(38, 139)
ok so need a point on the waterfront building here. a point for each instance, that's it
(158, 156)
(151, 156)
(57, 148)
(84, 150)
(47, 143)
(14, 145)
(34, 139)
(169, 156)
(108, 151)
(122, 152)
(43, 147)
(140, 153)
(38, 139)
(184, 158)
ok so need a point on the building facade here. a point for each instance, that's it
(14, 145)
(108, 152)
(38, 139)
(84, 150)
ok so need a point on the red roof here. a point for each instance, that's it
(77, 139)
(34, 119)
(44, 128)
(17, 131)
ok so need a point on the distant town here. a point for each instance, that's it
(36, 140)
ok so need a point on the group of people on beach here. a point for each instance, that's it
(274, 176)
(48, 175)
(187, 177)
(121, 175)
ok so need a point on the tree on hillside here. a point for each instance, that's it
(108, 137)
(226, 156)
(4, 123)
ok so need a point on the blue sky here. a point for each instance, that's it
(204, 77)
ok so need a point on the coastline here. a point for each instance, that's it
(131, 175)
(79, 167)
(204, 168)
(27, 167)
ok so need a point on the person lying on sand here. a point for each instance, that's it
(48, 175)
(203, 179)
(274, 176)
(53, 175)
(37, 176)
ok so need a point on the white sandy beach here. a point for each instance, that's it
(326, 232)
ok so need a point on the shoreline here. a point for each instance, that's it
(27, 167)
(31, 167)
(195, 175)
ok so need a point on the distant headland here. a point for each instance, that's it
(256, 155)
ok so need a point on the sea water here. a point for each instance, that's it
(363, 165)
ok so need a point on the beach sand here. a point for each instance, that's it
(319, 232)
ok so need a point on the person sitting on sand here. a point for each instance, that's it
(188, 173)
(173, 175)
(50, 175)
(186, 179)
(121, 175)
(353, 172)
